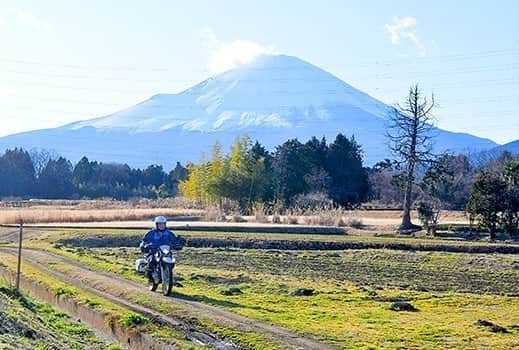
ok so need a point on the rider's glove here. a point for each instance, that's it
(178, 243)
(145, 248)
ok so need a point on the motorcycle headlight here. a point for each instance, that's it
(165, 249)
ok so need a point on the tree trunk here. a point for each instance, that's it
(492, 229)
(407, 226)
(406, 214)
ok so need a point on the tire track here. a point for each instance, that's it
(105, 285)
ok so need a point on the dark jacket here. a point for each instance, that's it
(155, 238)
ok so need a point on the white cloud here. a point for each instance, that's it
(404, 29)
(5, 90)
(23, 18)
(26, 18)
(227, 55)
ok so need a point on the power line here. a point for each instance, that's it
(448, 85)
(448, 57)
(387, 76)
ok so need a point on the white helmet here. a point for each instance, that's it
(160, 220)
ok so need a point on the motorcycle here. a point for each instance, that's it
(163, 268)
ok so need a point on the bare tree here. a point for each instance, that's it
(40, 158)
(410, 139)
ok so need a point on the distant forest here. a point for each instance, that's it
(315, 173)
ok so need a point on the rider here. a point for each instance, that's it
(152, 240)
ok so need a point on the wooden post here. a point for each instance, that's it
(19, 267)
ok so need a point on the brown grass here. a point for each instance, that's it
(213, 213)
(87, 204)
(355, 223)
(289, 219)
(276, 219)
(260, 215)
(106, 210)
(53, 215)
(238, 218)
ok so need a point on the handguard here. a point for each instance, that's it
(145, 248)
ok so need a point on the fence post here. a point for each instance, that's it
(19, 267)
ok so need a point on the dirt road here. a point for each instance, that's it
(120, 291)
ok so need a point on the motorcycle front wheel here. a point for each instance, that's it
(167, 279)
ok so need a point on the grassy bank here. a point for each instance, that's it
(26, 323)
(114, 313)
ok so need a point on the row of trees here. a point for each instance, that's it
(443, 181)
(449, 179)
(295, 173)
(489, 192)
(43, 174)
(251, 175)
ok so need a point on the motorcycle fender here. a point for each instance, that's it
(168, 260)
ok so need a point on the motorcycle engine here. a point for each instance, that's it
(140, 265)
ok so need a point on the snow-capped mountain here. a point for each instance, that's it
(271, 99)
(273, 91)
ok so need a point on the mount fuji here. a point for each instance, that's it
(271, 99)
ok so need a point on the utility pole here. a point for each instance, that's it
(19, 267)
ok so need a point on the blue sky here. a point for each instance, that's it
(62, 61)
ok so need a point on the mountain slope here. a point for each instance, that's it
(512, 147)
(272, 99)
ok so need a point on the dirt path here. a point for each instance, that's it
(119, 290)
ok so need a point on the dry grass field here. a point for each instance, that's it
(139, 213)
(58, 215)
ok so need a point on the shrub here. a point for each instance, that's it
(313, 200)
(428, 213)
(115, 347)
(341, 223)
(260, 215)
(213, 213)
(132, 319)
(355, 223)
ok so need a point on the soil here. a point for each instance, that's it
(118, 240)
(115, 289)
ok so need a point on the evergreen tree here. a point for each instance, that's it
(510, 217)
(175, 176)
(263, 173)
(55, 180)
(290, 169)
(317, 178)
(17, 175)
(83, 172)
(349, 180)
(153, 175)
(487, 200)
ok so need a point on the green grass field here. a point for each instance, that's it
(352, 291)
(26, 323)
